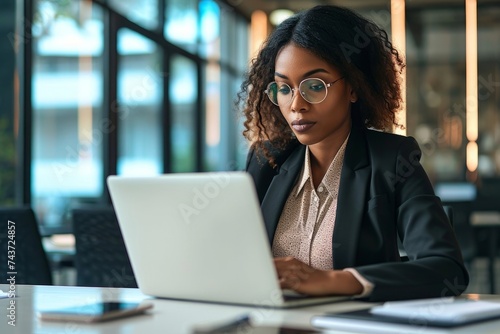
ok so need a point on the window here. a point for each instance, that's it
(142, 12)
(225, 146)
(140, 89)
(67, 132)
(160, 114)
(183, 94)
(181, 23)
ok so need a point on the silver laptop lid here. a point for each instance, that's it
(197, 236)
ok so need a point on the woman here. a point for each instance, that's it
(335, 194)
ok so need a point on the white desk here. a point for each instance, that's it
(167, 316)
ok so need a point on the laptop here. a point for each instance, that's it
(200, 237)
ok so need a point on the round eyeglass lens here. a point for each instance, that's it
(279, 93)
(313, 90)
(272, 92)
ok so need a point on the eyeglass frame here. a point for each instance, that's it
(327, 85)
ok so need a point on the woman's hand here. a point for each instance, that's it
(300, 277)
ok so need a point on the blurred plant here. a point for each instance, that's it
(48, 11)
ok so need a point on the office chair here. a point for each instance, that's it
(101, 258)
(488, 194)
(21, 244)
(487, 233)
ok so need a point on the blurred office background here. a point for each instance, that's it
(143, 87)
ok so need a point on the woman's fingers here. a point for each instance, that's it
(292, 273)
(296, 275)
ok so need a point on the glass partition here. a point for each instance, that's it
(436, 89)
(488, 35)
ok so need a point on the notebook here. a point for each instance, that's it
(434, 315)
(200, 236)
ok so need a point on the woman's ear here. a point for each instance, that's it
(354, 96)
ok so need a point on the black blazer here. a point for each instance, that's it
(383, 192)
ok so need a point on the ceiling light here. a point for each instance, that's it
(279, 15)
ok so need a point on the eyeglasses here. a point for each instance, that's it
(313, 90)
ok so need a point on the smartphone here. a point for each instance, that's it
(259, 330)
(95, 312)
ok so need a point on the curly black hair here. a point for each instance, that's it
(357, 47)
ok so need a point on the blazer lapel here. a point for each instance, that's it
(279, 189)
(354, 181)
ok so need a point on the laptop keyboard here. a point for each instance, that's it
(289, 295)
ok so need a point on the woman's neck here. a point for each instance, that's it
(322, 154)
